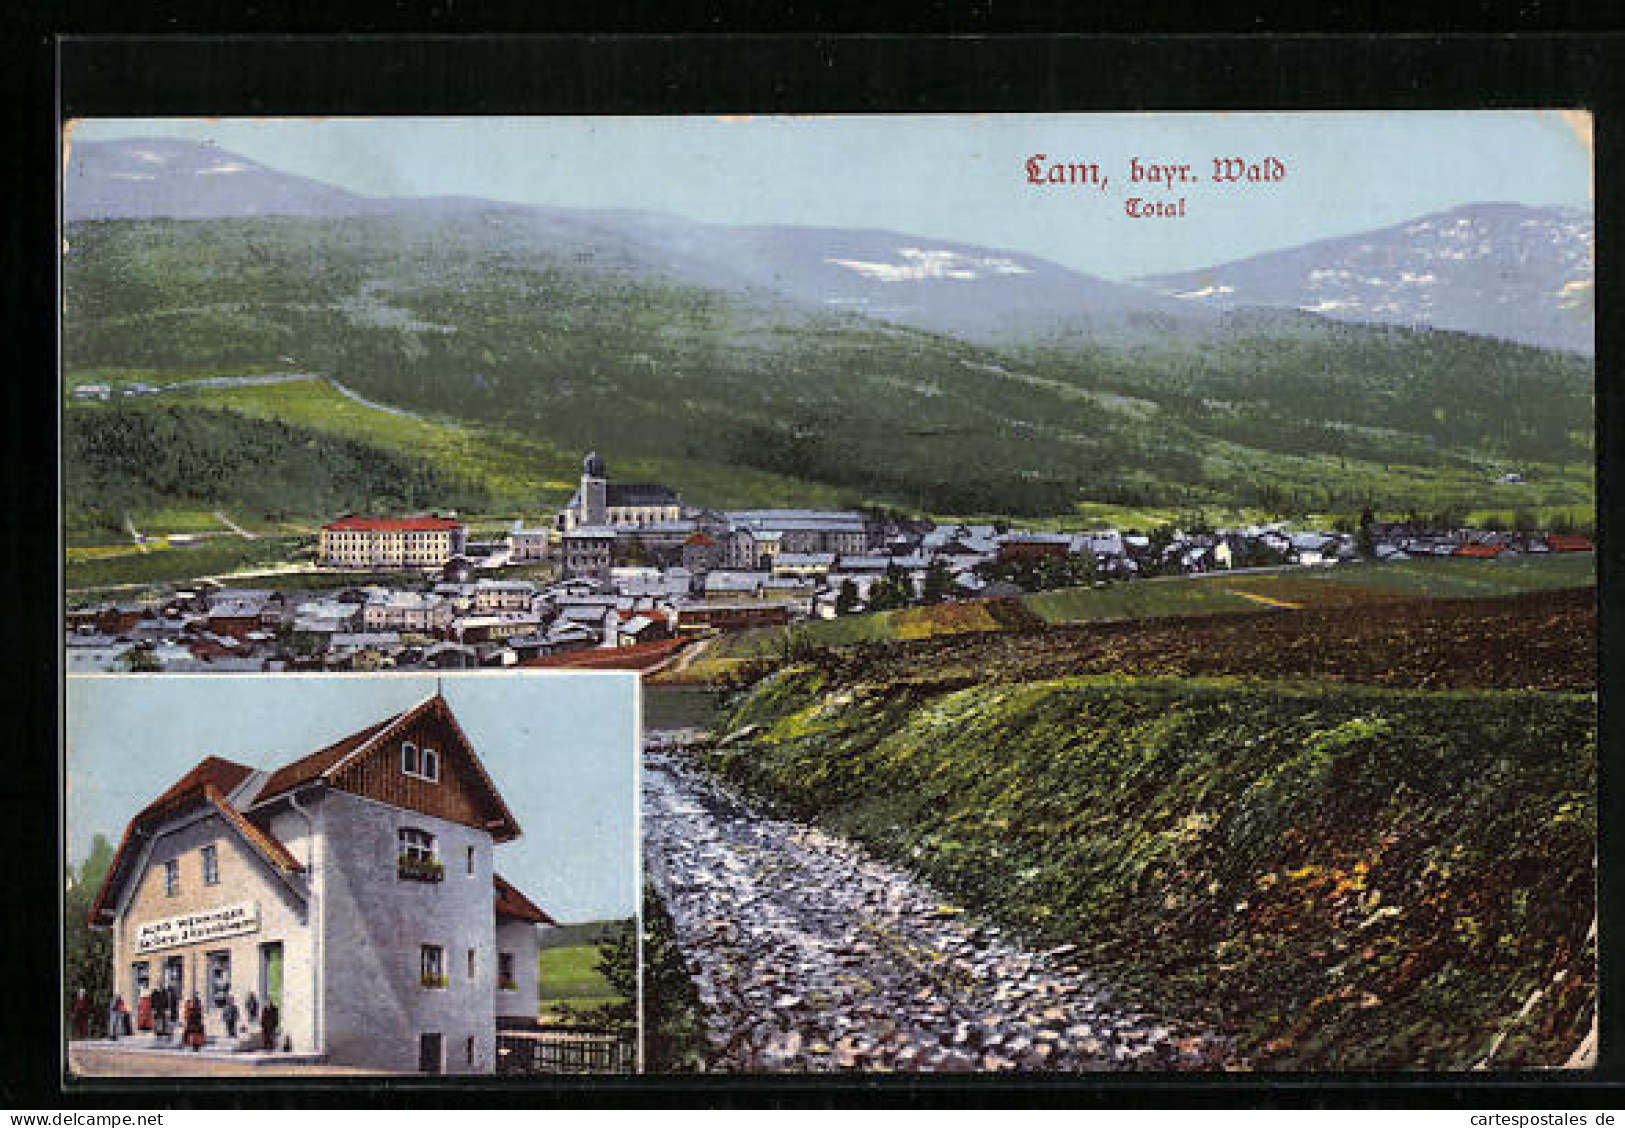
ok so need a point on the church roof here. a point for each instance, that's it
(639, 493)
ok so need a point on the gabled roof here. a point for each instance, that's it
(319, 763)
(638, 493)
(514, 905)
(207, 784)
(326, 763)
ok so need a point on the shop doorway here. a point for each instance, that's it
(271, 974)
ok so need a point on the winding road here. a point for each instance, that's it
(810, 955)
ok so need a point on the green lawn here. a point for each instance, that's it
(569, 978)
(214, 556)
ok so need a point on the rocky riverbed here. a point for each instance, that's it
(811, 955)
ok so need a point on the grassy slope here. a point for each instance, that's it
(217, 555)
(1345, 878)
(569, 978)
(1198, 595)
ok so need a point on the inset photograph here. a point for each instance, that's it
(351, 874)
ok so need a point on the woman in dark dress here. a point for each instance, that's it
(194, 1023)
(81, 1014)
(269, 1021)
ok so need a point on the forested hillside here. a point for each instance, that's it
(128, 458)
(493, 317)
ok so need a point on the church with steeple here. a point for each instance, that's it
(599, 503)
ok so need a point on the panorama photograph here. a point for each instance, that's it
(1105, 592)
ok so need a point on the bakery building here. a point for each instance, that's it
(354, 889)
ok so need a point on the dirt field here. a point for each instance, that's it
(1539, 640)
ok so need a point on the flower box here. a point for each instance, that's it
(409, 868)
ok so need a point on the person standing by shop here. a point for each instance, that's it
(228, 1015)
(269, 1021)
(80, 1014)
(194, 1023)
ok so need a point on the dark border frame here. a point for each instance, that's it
(977, 66)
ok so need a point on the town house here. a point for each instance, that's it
(353, 888)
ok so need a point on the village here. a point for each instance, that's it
(626, 573)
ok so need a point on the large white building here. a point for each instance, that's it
(354, 889)
(391, 542)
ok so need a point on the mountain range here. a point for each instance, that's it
(1502, 270)
(762, 365)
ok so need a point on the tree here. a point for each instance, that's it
(1364, 543)
(846, 600)
(139, 660)
(673, 1022)
(939, 582)
(1160, 538)
(88, 952)
(891, 591)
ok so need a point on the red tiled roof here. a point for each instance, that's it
(271, 847)
(1568, 542)
(638, 656)
(214, 778)
(514, 905)
(699, 538)
(307, 768)
(212, 771)
(1479, 550)
(211, 781)
(392, 524)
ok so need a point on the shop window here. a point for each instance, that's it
(219, 978)
(431, 965)
(211, 865)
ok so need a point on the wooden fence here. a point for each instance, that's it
(564, 1051)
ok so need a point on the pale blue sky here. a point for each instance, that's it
(561, 749)
(950, 176)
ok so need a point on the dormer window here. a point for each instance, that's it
(421, 763)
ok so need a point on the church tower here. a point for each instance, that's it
(594, 491)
